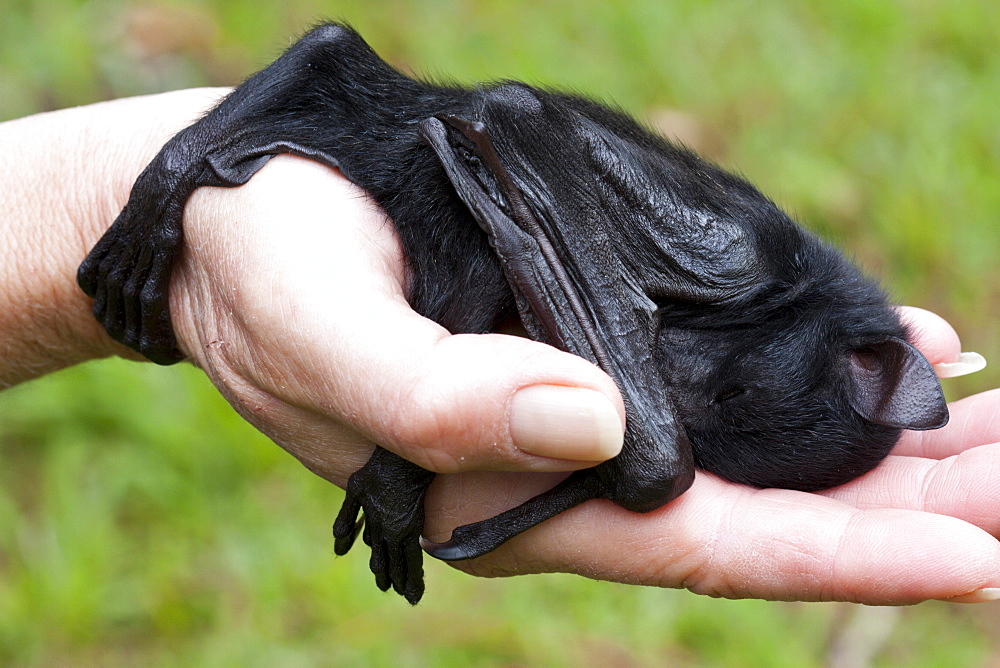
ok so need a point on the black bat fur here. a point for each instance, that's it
(741, 343)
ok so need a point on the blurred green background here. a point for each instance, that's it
(141, 523)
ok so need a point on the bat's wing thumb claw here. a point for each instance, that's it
(446, 551)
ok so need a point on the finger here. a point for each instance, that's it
(453, 402)
(489, 401)
(939, 343)
(931, 334)
(445, 402)
(727, 540)
(961, 486)
(974, 421)
(457, 402)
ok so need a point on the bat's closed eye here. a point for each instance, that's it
(728, 393)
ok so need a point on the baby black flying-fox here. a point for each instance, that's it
(741, 343)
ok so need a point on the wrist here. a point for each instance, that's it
(64, 176)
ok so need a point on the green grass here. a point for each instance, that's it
(141, 522)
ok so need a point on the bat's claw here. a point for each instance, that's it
(474, 540)
(446, 551)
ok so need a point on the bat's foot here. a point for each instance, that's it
(390, 492)
(128, 272)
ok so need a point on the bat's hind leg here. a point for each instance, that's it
(276, 111)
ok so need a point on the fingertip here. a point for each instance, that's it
(984, 595)
(931, 334)
(968, 362)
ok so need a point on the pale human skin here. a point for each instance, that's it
(290, 295)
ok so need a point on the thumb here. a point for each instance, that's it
(314, 314)
(473, 401)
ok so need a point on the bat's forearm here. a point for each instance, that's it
(63, 177)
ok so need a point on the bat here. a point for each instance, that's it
(741, 343)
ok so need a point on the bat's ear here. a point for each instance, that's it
(896, 386)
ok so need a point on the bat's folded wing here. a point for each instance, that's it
(573, 291)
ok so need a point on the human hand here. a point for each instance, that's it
(920, 526)
(290, 294)
(296, 311)
(277, 339)
(915, 528)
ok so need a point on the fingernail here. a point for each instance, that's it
(984, 595)
(967, 363)
(565, 423)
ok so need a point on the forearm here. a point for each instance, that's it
(64, 176)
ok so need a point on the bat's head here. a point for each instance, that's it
(783, 364)
(805, 386)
